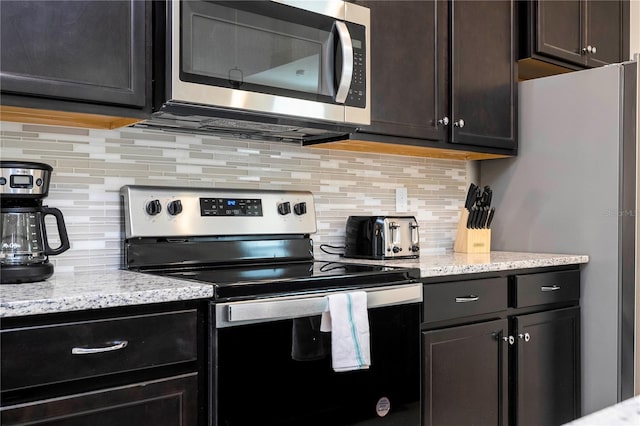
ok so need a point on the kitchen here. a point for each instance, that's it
(91, 165)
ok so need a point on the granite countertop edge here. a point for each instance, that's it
(65, 292)
(626, 412)
(437, 265)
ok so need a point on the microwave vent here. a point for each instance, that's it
(196, 119)
(224, 123)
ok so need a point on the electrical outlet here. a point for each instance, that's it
(401, 200)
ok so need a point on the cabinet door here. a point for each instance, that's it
(604, 32)
(548, 367)
(465, 375)
(75, 50)
(483, 74)
(408, 75)
(560, 30)
(166, 402)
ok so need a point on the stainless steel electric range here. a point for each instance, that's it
(269, 362)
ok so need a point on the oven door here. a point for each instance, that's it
(278, 372)
(297, 58)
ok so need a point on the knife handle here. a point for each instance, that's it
(470, 196)
(483, 218)
(490, 218)
(470, 217)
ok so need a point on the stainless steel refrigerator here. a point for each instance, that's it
(573, 189)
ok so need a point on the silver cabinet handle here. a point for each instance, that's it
(526, 337)
(466, 299)
(511, 340)
(459, 123)
(114, 347)
(589, 49)
(550, 288)
(444, 121)
(347, 62)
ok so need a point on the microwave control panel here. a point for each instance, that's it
(357, 92)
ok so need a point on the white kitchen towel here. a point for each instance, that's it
(349, 326)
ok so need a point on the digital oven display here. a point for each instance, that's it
(230, 207)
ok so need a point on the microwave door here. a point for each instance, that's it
(260, 57)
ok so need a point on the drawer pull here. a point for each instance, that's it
(549, 288)
(465, 299)
(114, 347)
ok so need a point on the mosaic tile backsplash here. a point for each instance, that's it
(91, 165)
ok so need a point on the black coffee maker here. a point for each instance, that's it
(24, 248)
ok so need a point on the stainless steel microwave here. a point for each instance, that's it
(269, 61)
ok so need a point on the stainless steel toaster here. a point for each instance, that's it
(382, 237)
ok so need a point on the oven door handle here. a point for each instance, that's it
(250, 312)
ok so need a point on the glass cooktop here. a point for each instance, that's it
(265, 280)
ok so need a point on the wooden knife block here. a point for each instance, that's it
(471, 240)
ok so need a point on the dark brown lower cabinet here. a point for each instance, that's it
(165, 402)
(547, 353)
(466, 371)
(125, 366)
(498, 360)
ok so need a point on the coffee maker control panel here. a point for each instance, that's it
(24, 179)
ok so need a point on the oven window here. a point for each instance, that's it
(275, 374)
(262, 49)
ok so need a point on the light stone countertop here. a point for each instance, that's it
(81, 291)
(74, 292)
(624, 413)
(460, 263)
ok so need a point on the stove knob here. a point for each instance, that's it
(175, 207)
(300, 208)
(396, 249)
(415, 248)
(154, 207)
(284, 208)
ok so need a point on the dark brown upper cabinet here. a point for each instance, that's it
(482, 69)
(76, 56)
(408, 68)
(443, 79)
(559, 36)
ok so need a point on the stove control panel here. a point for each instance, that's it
(154, 211)
(230, 207)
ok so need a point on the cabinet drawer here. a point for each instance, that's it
(56, 353)
(465, 298)
(163, 402)
(550, 287)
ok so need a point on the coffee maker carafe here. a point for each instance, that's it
(24, 247)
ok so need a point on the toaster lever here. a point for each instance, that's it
(415, 238)
(395, 234)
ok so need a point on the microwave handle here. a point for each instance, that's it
(347, 62)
